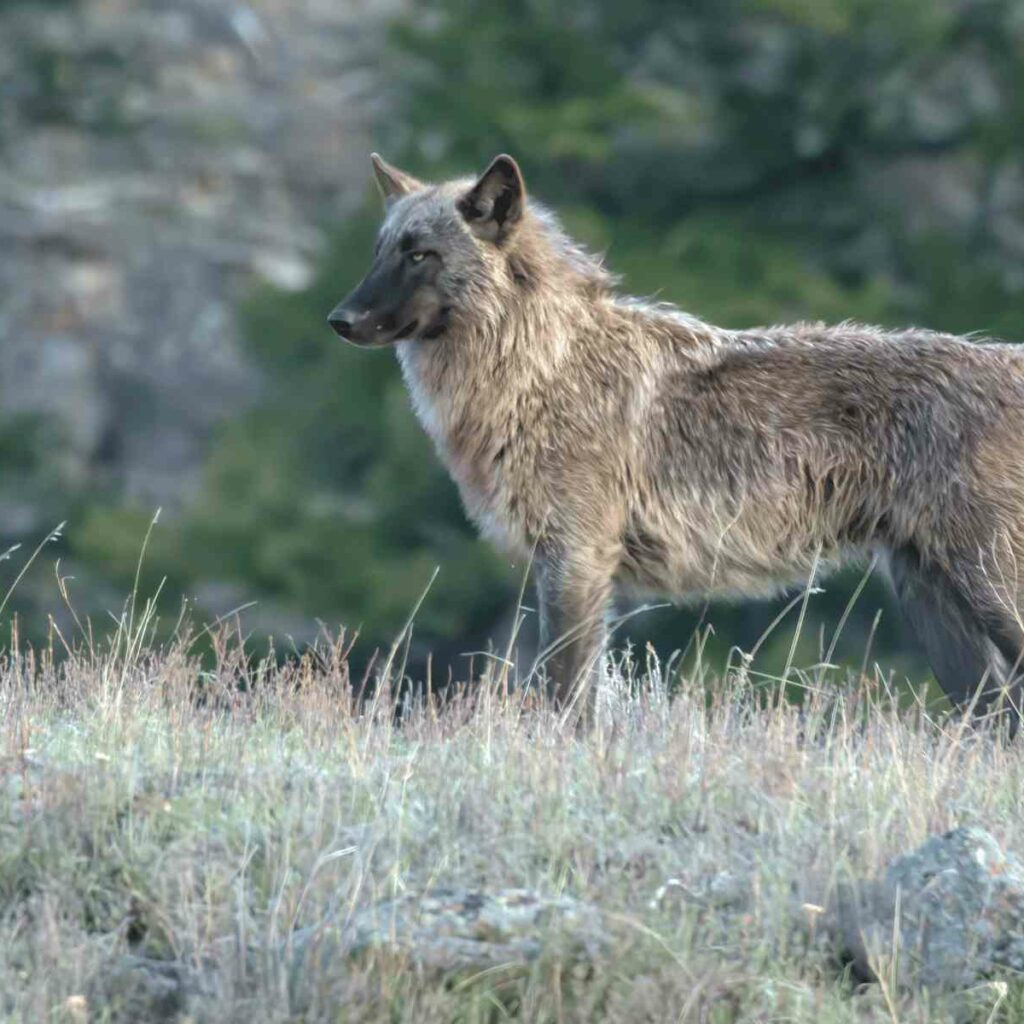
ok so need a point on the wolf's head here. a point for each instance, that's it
(436, 243)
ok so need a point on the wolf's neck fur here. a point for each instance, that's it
(487, 391)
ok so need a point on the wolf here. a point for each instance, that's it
(623, 442)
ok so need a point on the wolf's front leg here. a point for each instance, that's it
(575, 598)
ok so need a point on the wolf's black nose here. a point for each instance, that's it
(342, 327)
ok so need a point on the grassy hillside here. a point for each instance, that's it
(188, 843)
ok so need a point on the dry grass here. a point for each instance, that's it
(202, 816)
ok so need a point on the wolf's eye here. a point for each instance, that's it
(418, 256)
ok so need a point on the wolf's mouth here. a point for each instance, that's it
(407, 330)
(438, 327)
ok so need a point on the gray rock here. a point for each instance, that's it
(452, 929)
(954, 906)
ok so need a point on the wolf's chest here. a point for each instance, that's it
(485, 448)
(498, 484)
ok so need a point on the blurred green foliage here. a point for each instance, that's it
(738, 157)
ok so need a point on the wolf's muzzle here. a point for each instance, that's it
(341, 326)
(361, 328)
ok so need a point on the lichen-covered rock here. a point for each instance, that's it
(451, 929)
(954, 906)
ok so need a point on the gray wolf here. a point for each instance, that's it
(626, 442)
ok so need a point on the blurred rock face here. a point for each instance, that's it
(155, 164)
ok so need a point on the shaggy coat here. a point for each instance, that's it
(626, 442)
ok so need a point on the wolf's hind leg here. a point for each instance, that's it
(969, 654)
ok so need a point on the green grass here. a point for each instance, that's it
(153, 807)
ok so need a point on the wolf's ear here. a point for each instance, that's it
(392, 182)
(494, 205)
